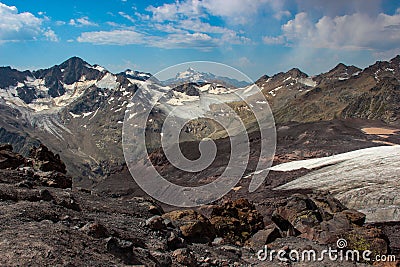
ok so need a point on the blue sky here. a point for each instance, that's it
(256, 36)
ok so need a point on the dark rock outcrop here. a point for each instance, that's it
(9, 159)
(45, 160)
(324, 219)
(194, 226)
(236, 221)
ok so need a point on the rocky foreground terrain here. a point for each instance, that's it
(45, 221)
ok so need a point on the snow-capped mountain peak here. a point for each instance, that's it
(192, 75)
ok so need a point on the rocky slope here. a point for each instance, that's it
(46, 222)
(343, 92)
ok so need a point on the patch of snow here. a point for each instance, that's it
(325, 161)
(72, 92)
(37, 106)
(95, 113)
(179, 98)
(74, 115)
(131, 115)
(273, 91)
(99, 68)
(376, 75)
(389, 69)
(85, 114)
(19, 85)
(109, 81)
(219, 89)
(138, 82)
(204, 88)
(308, 82)
(39, 84)
(365, 179)
(250, 89)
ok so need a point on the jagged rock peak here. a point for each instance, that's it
(73, 61)
(396, 59)
(10, 76)
(296, 73)
(340, 66)
(342, 70)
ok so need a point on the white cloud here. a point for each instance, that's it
(237, 11)
(168, 28)
(182, 24)
(115, 37)
(60, 23)
(16, 26)
(339, 7)
(196, 40)
(232, 37)
(51, 35)
(128, 17)
(273, 40)
(129, 37)
(282, 14)
(177, 10)
(356, 31)
(84, 21)
(194, 16)
(186, 34)
(233, 11)
(226, 35)
(142, 16)
(197, 25)
(243, 62)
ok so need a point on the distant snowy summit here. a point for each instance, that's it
(193, 76)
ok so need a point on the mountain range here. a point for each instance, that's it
(77, 109)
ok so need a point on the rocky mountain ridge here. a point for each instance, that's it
(343, 92)
(78, 109)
